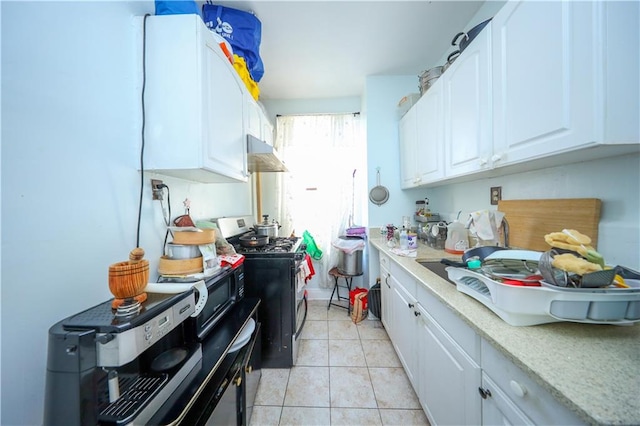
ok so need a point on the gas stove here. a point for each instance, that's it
(232, 228)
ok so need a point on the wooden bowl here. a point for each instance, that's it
(207, 236)
(128, 279)
(168, 266)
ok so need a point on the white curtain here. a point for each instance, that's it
(317, 195)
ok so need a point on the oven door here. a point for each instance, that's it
(300, 314)
(224, 291)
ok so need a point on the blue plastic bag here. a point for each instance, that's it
(180, 7)
(242, 30)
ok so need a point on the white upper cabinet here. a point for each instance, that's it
(544, 84)
(421, 140)
(562, 73)
(195, 104)
(408, 134)
(467, 111)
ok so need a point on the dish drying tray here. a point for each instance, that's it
(528, 305)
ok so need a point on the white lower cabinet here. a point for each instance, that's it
(511, 397)
(404, 324)
(459, 378)
(449, 378)
(497, 408)
(385, 294)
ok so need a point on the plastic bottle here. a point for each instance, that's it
(457, 237)
(404, 240)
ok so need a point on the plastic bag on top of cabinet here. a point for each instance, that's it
(243, 30)
(183, 7)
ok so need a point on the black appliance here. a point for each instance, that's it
(107, 368)
(225, 288)
(271, 274)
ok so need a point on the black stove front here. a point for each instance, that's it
(271, 275)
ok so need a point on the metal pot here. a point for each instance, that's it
(451, 59)
(462, 39)
(253, 240)
(266, 228)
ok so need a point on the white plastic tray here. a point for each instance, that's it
(528, 305)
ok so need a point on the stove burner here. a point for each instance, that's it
(275, 245)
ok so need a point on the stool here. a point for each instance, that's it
(336, 288)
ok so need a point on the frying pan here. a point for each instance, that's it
(253, 240)
(479, 252)
(378, 194)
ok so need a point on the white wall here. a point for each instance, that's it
(70, 134)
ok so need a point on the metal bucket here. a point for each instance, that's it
(350, 263)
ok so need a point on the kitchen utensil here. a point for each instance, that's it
(252, 240)
(462, 39)
(531, 220)
(562, 278)
(450, 60)
(428, 77)
(194, 236)
(478, 252)
(167, 266)
(378, 194)
(182, 251)
(128, 279)
(266, 228)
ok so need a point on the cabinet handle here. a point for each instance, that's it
(496, 157)
(411, 305)
(483, 161)
(238, 381)
(386, 280)
(518, 389)
(416, 313)
(484, 393)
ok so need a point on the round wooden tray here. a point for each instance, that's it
(207, 236)
(168, 266)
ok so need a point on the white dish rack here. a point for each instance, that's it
(530, 305)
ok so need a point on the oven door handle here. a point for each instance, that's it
(304, 318)
(176, 288)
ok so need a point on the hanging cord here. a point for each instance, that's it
(165, 217)
(144, 83)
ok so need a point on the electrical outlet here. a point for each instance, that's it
(156, 191)
(496, 195)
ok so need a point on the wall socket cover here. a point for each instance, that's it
(496, 195)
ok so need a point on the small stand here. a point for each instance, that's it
(336, 288)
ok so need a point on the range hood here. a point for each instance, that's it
(262, 157)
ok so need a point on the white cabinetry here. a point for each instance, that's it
(421, 140)
(404, 324)
(467, 111)
(385, 294)
(552, 84)
(258, 124)
(511, 397)
(195, 104)
(448, 359)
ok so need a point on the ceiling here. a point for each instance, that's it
(326, 49)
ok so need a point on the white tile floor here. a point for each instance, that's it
(346, 374)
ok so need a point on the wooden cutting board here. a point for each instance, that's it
(530, 220)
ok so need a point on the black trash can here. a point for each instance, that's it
(375, 301)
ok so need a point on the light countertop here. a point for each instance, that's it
(592, 369)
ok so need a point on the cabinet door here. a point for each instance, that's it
(467, 114)
(449, 378)
(404, 327)
(385, 295)
(543, 78)
(408, 148)
(226, 150)
(430, 138)
(497, 408)
(254, 122)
